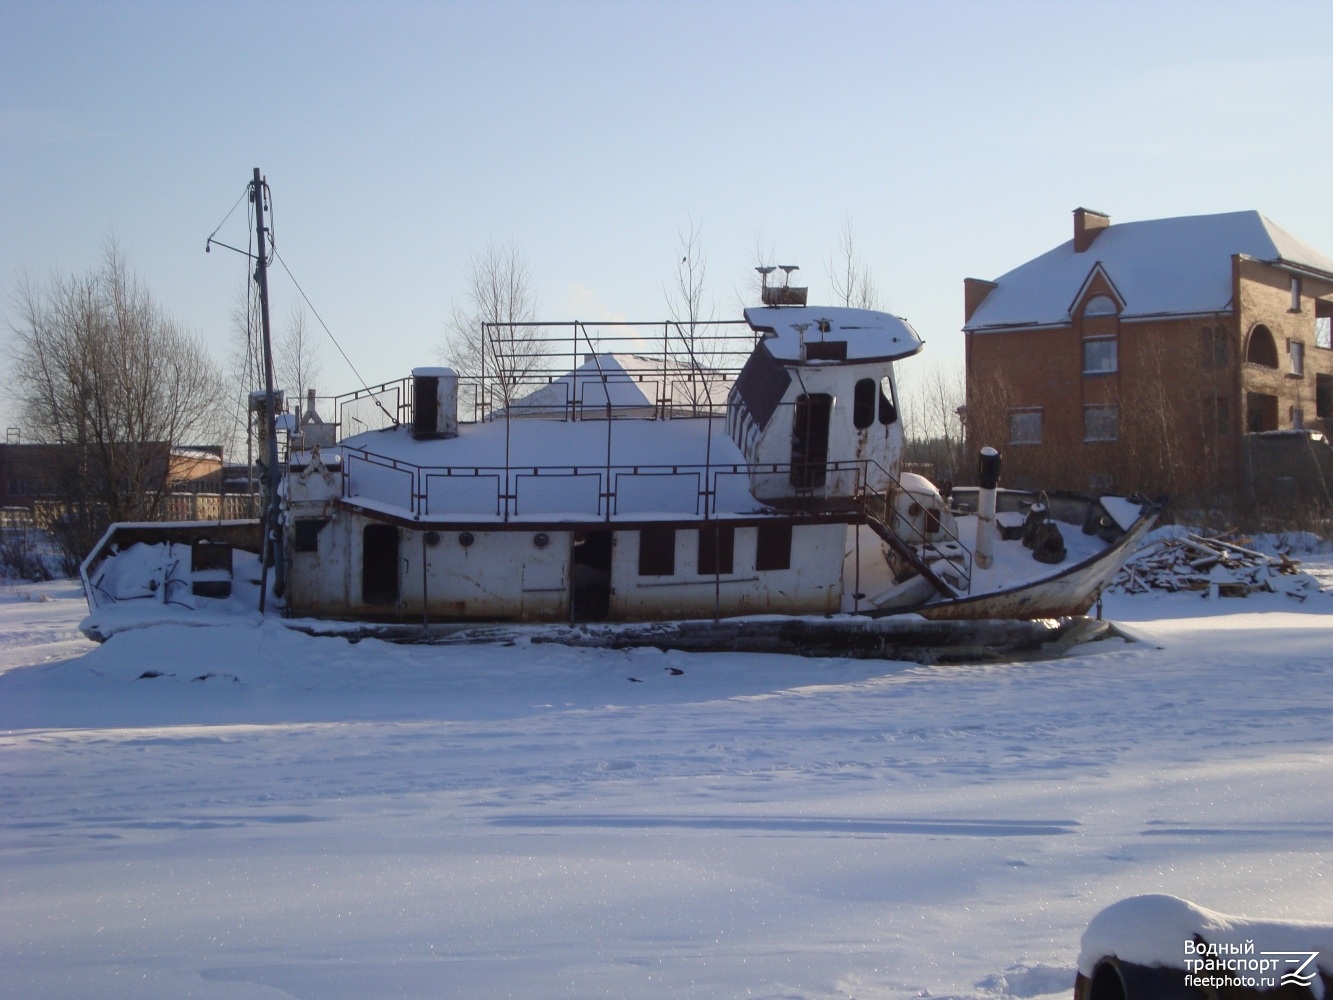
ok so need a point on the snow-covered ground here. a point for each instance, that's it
(276, 815)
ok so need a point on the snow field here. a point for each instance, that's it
(317, 818)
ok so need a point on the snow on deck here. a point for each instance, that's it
(553, 468)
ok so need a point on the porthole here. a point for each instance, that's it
(541, 539)
(466, 538)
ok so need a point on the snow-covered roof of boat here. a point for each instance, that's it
(553, 468)
(631, 382)
(869, 335)
(1158, 267)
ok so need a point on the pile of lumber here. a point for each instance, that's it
(1216, 565)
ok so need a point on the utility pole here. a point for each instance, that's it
(272, 530)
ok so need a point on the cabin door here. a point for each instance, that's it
(379, 564)
(590, 578)
(809, 440)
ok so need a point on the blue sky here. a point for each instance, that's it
(399, 138)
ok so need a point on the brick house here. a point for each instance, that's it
(1160, 355)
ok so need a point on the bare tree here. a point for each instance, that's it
(853, 284)
(491, 334)
(111, 383)
(296, 361)
(933, 420)
(694, 318)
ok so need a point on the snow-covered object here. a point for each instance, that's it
(1166, 931)
(1176, 558)
(866, 334)
(1158, 267)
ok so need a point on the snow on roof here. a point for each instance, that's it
(1152, 930)
(1159, 267)
(869, 335)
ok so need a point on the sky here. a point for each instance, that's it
(400, 139)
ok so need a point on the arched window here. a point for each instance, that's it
(863, 404)
(1262, 349)
(1101, 305)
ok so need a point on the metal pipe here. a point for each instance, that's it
(988, 479)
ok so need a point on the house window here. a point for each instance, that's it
(1262, 350)
(1101, 422)
(1214, 347)
(1025, 426)
(1323, 396)
(773, 549)
(863, 404)
(1099, 356)
(1100, 305)
(1296, 352)
(1295, 294)
(1323, 332)
(717, 546)
(1297, 418)
(657, 552)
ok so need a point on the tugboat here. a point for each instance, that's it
(659, 471)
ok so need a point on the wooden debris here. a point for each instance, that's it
(1211, 564)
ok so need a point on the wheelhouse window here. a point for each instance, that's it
(1101, 422)
(888, 413)
(863, 404)
(1099, 356)
(1025, 426)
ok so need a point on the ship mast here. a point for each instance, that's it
(272, 531)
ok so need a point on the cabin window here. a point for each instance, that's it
(809, 440)
(773, 549)
(1099, 356)
(717, 548)
(306, 533)
(1101, 422)
(888, 413)
(657, 552)
(1215, 353)
(1296, 352)
(863, 404)
(379, 564)
(1025, 426)
(1262, 350)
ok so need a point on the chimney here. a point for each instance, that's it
(1087, 224)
